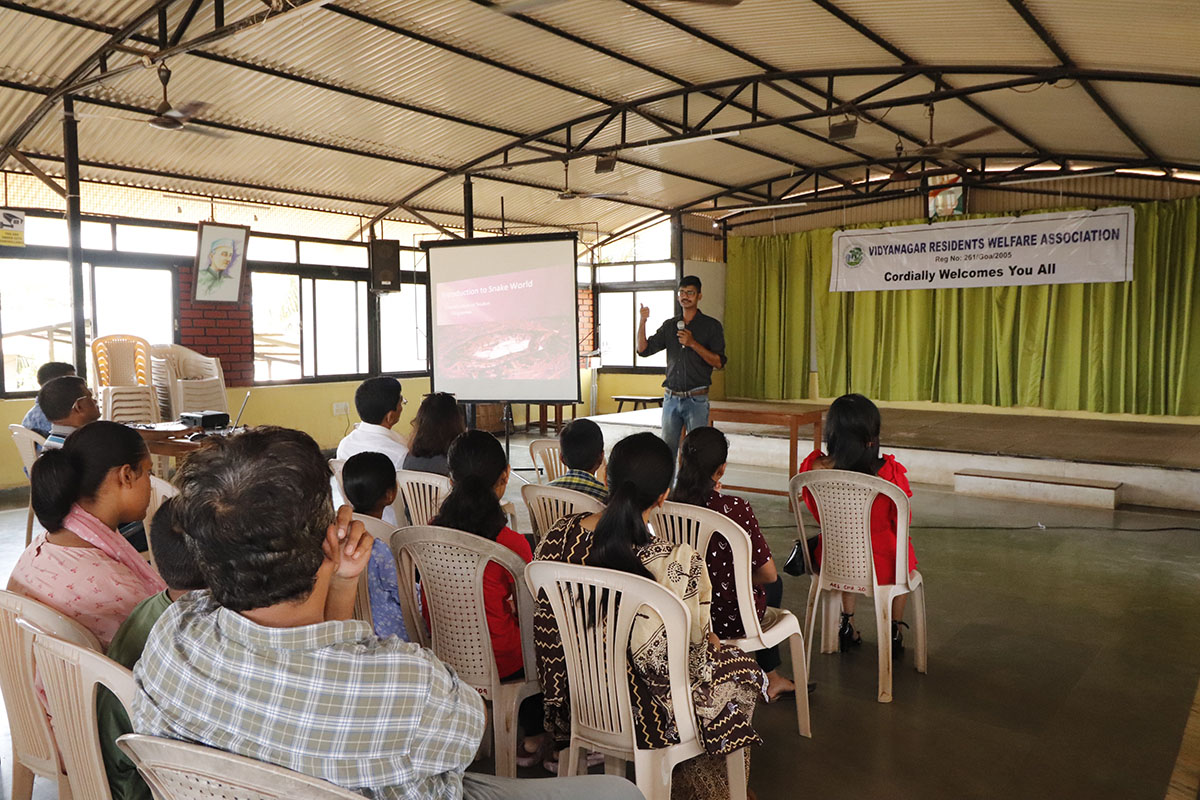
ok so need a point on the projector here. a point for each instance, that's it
(204, 419)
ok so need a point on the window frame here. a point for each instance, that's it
(631, 287)
(113, 257)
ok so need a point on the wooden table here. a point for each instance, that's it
(790, 416)
(558, 416)
(638, 400)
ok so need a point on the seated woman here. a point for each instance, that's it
(725, 682)
(438, 422)
(370, 483)
(852, 436)
(479, 475)
(701, 466)
(82, 566)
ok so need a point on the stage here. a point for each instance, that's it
(1155, 464)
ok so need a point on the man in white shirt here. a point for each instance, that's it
(379, 402)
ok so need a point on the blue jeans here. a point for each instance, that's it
(682, 412)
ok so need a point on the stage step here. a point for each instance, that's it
(1038, 488)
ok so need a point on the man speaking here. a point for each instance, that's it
(695, 346)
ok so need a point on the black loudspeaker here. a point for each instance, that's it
(385, 265)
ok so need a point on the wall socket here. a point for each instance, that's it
(341, 409)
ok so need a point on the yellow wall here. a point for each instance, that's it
(11, 473)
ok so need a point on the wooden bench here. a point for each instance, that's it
(1038, 488)
(638, 400)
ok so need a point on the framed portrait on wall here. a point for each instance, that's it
(220, 263)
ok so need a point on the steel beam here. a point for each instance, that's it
(1047, 39)
(74, 236)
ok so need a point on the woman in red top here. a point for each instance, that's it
(852, 436)
(702, 460)
(479, 475)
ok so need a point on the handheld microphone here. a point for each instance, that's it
(679, 325)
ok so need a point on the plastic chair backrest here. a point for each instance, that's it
(422, 493)
(683, 523)
(844, 500)
(335, 467)
(160, 490)
(451, 565)
(129, 404)
(548, 504)
(362, 602)
(183, 771)
(597, 654)
(185, 380)
(121, 360)
(26, 442)
(548, 452)
(33, 742)
(70, 675)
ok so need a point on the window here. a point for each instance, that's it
(132, 300)
(308, 327)
(168, 241)
(402, 329)
(276, 321)
(336, 255)
(35, 319)
(632, 272)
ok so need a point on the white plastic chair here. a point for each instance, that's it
(70, 674)
(451, 564)
(362, 602)
(422, 493)
(844, 501)
(597, 656)
(683, 523)
(548, 504)
(549, 454)
(34, 749)
(27, 443)
(121, 360)
(185, 380)
(183, 771)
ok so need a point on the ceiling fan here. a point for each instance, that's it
(168, 117)
(568, 194)
(524, 6)
(935, 150)
(945, 150)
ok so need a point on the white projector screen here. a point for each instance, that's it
(503, 318)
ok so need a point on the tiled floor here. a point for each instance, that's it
(1064, 655)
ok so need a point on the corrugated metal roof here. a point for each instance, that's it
(498, 76)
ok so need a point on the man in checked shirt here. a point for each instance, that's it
(269, 663)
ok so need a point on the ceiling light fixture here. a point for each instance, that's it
(843, 131)
(606, 163)
(689, 140)
(766, 207)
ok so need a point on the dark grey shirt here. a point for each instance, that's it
(435, 464)
(686, 370)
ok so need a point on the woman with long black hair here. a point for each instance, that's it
(82, 566)
(702, 460)
(725, 682)
(852, 427)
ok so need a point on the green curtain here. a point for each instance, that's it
(767, 320)
(1111, 347)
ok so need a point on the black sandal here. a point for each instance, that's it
(847, 636)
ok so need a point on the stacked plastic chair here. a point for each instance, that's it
(185, 380)
(121, 364)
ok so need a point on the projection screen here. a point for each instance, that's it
(503, 318)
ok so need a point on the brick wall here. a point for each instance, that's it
(587, 324)
(221, 330)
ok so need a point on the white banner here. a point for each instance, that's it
(1068, 247)
(12, 228)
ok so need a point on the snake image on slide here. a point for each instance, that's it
(535, 349)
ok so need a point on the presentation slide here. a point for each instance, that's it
(504, 319)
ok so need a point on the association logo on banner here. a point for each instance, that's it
(12, 228)
(1067, 247)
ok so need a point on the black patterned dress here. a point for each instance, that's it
(725, 682)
